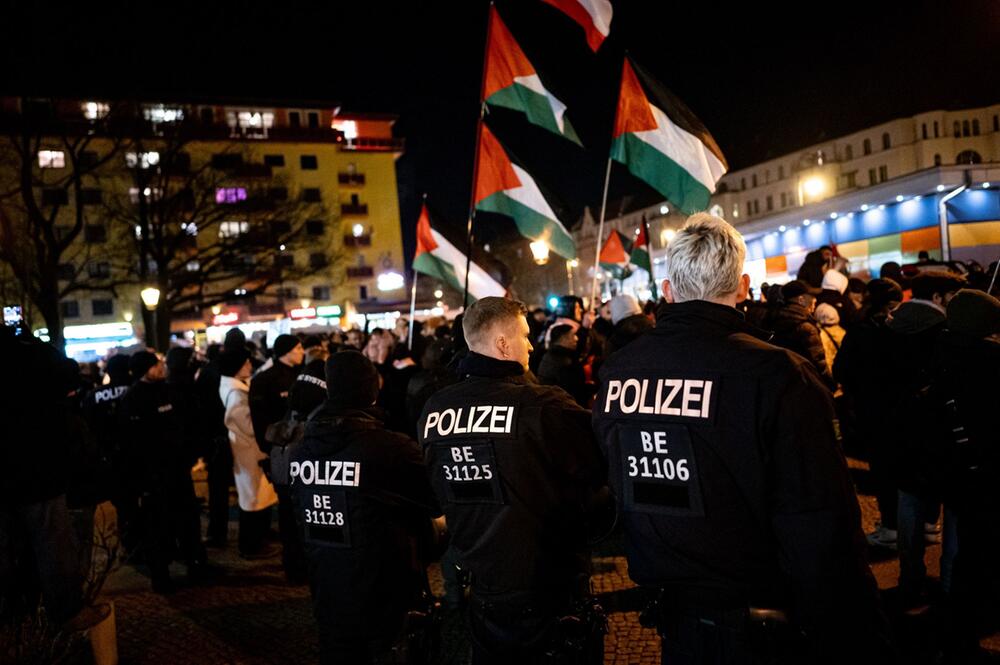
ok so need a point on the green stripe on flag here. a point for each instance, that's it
(661, 173)
(432, 266)
(535, 106)
(531, 223)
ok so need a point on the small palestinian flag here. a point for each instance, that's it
(437, 257)
(640, 253)
(662, 142)
(594, 16)
(614, 256)
(513, 83)
(504, 187)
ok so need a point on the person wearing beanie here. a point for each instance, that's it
(831, 332)
(623, 306)
(255, 493)
(966, 393)
(268, 397)
(795, 328)
(629, 323)
(154, 466)
(315, 348)
(361, 495)
(834, 293)
(561, 365)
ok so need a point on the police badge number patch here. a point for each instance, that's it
(659, 472)
(325, 518)
(468, 471)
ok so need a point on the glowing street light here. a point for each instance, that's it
(150, 297)
(814, 187)
(438, 293)
(540, 252)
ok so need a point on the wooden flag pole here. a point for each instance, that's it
(600, 236)
(475, 164)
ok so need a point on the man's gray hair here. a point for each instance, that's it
(704, 260)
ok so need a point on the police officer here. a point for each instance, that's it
(362, 500)
(521, 479)
(268, 404)
(736, 499)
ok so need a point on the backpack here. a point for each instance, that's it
(284, 437)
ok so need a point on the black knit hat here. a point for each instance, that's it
(883, 291)
(283, 344)
(234, 338)
(117, 368)
(974, 313)
(351, 380)
(140, 363)
(231, 361)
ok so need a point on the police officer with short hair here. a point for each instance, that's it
(521, 479)
(735, 497)
(365, 508)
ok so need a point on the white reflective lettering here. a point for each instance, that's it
(630, 407)
(691, 397)
(432, 420)
(614, 392)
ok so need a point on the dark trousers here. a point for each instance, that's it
(39, 551)
(220, 478)
(293, 556)
(254, 526)
(881, 466)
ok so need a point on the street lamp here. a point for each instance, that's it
(540, 252)
(151, 298)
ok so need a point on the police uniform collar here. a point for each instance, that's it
(725, 317)
(477, 364)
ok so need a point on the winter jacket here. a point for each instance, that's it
(796, 330)
(627, 330)
(253, 489)
(561, 367)
(151, 437)
(269, 398)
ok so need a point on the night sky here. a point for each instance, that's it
(764, 84)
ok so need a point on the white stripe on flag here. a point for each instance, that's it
(534, 84)
(480, 283)
(684, 148)
(600, 12)
(528, 194)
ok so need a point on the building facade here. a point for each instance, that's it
(319, 182)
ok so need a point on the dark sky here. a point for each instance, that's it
(763, 83)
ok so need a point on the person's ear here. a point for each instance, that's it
(743, 290)
(500, 343)
(668, 294)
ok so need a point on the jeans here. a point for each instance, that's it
(41, 534)
(912, 512)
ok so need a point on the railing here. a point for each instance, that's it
(359, 272)
(353, 209)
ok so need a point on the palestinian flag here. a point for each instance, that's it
(614, 256)
(662, 142)
(504, 187)
(513, 83)
(594, 16)
(437, 257)
(640, 253)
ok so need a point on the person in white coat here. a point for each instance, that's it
(255, 493)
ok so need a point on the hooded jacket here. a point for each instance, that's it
(362, 498)
(796, 330)
(253, 489)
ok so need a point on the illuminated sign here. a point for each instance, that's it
(226, 319)
(98, 331)
(328, 310)
(303, 313)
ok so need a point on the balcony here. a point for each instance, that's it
(362, 144)
(353, 208)
(357, 241)
(360, 272)
(356, 179)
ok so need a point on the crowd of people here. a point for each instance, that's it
(910, 362)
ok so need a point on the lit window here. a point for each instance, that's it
(94, 110)
(358, 230)
(192, 266)
(233, 229)
(142, 160)
(230, 194)
(253, 124)
(51, 159)
(160, 113)
(150, 193)
(348, 127)
(190, 228)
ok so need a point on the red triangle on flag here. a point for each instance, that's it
(633, 113)
(641, 240)
(425, 239)
(504, 58)
(495, 173)
(613, 250)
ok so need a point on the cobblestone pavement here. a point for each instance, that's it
(248, 614)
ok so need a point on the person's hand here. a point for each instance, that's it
(588, 319)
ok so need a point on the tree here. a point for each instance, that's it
(209, 227)
(51, 173)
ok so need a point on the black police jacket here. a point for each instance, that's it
(268, 397)
(152, 447)
(723, 453)
(516, 468)
(362, 500)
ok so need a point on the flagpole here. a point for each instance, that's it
(652, 261)
(475, 164)
(413, 309)
(600, 235)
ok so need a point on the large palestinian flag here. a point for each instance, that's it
(504, 187)
(437, 257)
(513, 83)
(662, 142)
(594, 16)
